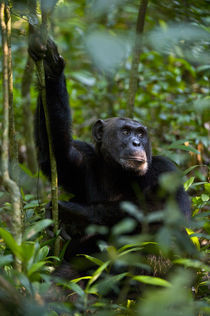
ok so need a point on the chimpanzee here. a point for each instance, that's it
(101, 176)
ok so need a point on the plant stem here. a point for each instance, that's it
(135, 59)
(54, 178)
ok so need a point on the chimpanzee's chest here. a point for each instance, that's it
(105, 186)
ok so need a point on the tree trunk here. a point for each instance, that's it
(13, 147)
(10, 185)
(135, 58)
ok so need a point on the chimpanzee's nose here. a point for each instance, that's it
(136, 142)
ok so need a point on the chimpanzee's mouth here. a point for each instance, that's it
(135, 158)
(138, 164)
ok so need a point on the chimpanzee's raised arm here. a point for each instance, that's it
(68, 157)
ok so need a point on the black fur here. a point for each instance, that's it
(100, 176)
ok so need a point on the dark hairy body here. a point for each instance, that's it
(120, 167)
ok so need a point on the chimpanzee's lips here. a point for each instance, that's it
(135, 158)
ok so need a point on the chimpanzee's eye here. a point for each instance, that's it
(140, 133)
(126, 132)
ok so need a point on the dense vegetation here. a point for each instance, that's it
(96, 39)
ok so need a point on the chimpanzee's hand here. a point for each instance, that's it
(53, 62)
(70, 225)
(73, 211)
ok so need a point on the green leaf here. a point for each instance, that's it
(164, 239)
(132, 210)
(1, 194)
(36, 228)
(193, 167)
(155, 216)
(194, 239)
(190, 169)
(183, 147)
(107, 51)
(5, 260)
(28, 250)
(134, 249)
(84, 77)
(125, 247)
(42, 254)
(88, 277)
(188, 183)
(97, 273)
(207, 187)
(106, 285)
(62, 253)
(73, 286)
(204, 197)
(11, 243)
(170, 181)
(97, 261)
(33, 204)
(152, 280)
(36, 267)
(189, 263)
(126, 225)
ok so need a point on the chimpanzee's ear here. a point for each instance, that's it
(97, 130)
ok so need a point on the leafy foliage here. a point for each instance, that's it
(163, 273)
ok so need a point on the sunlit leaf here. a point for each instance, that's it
(207, 187)
(204, 197)
(11, 243)
(97, 261)
(172, 300)
(97, 273)
(190, 263)
(152, 280)
(194, 239)
(81, 278)
(188, 183)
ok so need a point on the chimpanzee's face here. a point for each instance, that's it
(126, 142)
